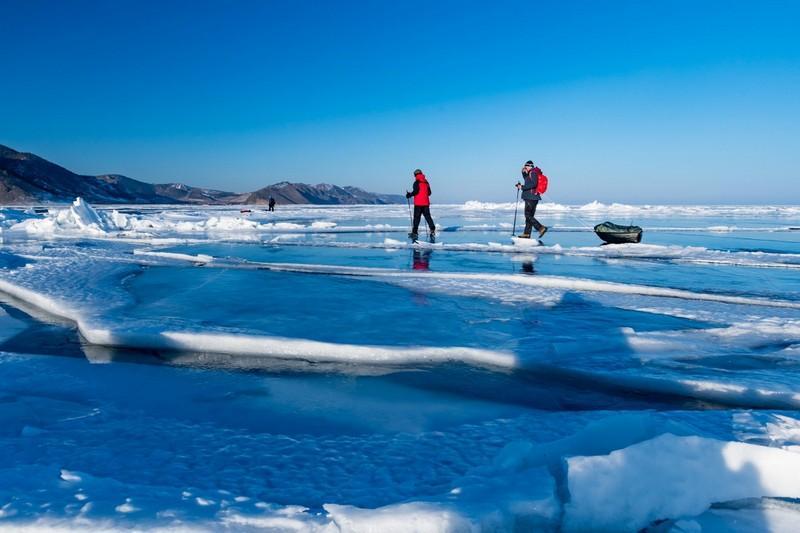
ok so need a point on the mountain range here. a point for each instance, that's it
(29, 179)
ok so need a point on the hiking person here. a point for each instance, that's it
(533, 186)
(421, 192)
(271, 204)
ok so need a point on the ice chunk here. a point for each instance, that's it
(71, 477)
(126, 507)
(672, 477)
(393, 243)
(322, 224)
(199, 258)
(80, 217)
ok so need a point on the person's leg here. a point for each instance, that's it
(427, 212)
(533, 220)
(530, 209)
(417, 215)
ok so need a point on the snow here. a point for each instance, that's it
(81, 219)
(671, 477)
(525, 243)
(293, 349)
(743, 517)
(320, 224)
(224, 222)
(199, 258)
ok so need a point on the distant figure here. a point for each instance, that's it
(533, 186)
(271, 204)
(421, 192)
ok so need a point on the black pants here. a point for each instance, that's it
(420, 210)
(530, 217)
(272, 208)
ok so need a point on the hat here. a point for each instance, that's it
(417, 171)
(529, 162)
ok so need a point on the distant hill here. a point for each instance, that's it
(29, 179)
(300, 193)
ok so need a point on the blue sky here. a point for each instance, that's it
(646, 102)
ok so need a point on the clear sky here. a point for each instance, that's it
(641, 101)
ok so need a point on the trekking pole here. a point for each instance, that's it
(410, 217)
(516, 205)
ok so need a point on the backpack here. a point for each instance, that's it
(541, 185)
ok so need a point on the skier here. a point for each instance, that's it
(533, 186)
(421, 192)
(271, 203)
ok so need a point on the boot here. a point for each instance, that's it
(543, 231)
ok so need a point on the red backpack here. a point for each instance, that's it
(541, 185)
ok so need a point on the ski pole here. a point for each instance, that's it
(516, 205)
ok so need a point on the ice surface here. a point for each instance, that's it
(667, 210)
(677, 254)
(541, 281)
(143, 222)
(311, 370)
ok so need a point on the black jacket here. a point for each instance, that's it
(530, 181)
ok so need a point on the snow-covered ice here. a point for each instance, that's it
(671, 476)
(207, 369)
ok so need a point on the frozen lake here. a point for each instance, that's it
(310, 369)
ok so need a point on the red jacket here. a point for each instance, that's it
(421, 191)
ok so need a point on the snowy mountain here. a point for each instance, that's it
(29, 179)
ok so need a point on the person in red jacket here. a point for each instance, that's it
(421, 192)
